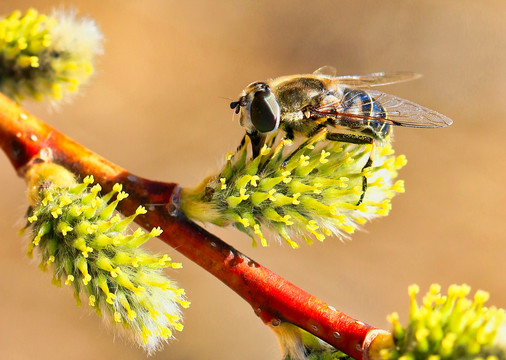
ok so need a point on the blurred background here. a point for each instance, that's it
(158, 106)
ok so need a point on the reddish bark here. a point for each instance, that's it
(26, 139)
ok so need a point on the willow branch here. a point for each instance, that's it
(26, 139)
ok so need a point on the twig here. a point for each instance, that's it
(26, 139)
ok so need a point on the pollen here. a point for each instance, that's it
(91, 251)
(400, 162)
(286, 176)
(317, 188)
(265, 150)
(223, 183)
(117, 317)
(321, 181)
(303, 160)
(243, 221)
(258, 232)
(312, 225)
(254, 180)
(323, 157)
(398, 186)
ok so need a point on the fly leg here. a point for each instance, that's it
(257, 141)
(360, 140)
(316, 135)
(243, 142)
(289, 136)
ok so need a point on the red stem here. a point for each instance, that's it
(26, 139)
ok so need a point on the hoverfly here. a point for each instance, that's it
(345, 107)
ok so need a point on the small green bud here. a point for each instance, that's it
(308, 193)
(99, 257)
(449, 327)
(46, 57)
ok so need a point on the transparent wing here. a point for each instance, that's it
(326, 70)
(379, 106)
(376, 79)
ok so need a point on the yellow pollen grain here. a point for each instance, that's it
(254, 180)
(343, 182)
(141, 210)
(386, 150)
(258, 232)
(110, 298)
(92, 300)
(86, 279)
(434, 289)
(121, 195)
(271, 194)
(303, 160)
(117, 316)
(50, 260)
(368, 172)
(56, 212)
(378, 182)
(413, 290)
(400, 161)
(286, 176)
(229, 156)
(316, 188)
(448, 341)
(164, 260)
(244, 222)
(422, 334)
(398, 186)
(361, 220)
(22, 44)
(88, 180)
(295, 200)
(243, 195)
(165, 333)
(265, 150)
(115, 272)
(223, 184)
(481, 296)
(48, 198)
(145, 334)
(323, 157)
(286, 220)
(312, 225)
(290, 242)
(350, 229)
(34, 61)
(70, 279)
(86, 251)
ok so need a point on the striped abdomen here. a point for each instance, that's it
(359, 102)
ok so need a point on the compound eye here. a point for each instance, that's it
(264, 111)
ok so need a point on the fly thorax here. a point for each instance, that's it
(291, 117)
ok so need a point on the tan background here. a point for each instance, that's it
(156, 107)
